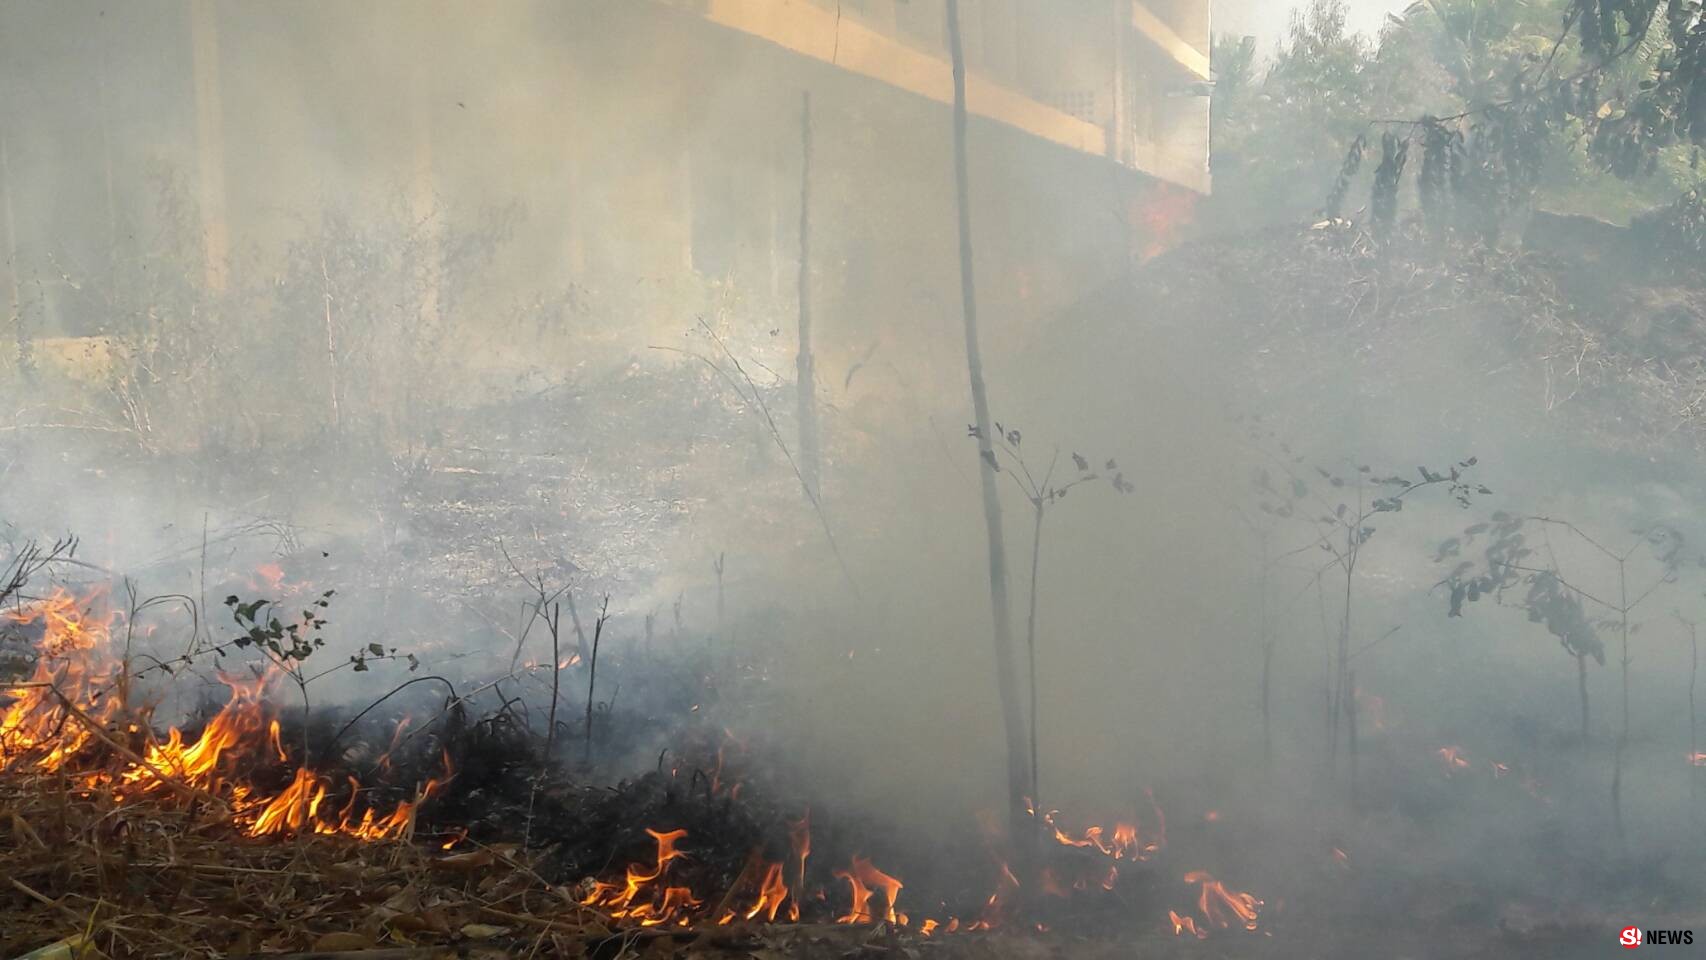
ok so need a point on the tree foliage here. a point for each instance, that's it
(1489, 106)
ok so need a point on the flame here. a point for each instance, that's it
(800, 843)
(75, 667)
(865, 879)
(995, 908)
(268, 577)
(625, 900)
(240, 720)
(771, 893)
(1453, 759)
(73, 664)
(396, 738)
(1126, 841)
(74, 695)
(1185, 924)
(1371, 710)
(1222, 907)
(1162, 213)
(292, 809)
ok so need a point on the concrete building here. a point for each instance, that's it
(646, 155)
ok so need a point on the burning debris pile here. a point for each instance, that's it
(258, 829)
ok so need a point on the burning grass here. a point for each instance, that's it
(253, 831)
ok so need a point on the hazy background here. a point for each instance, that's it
(1267, 20)
(522, 287)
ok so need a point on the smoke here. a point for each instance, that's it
(514, 295)
(1268, 21)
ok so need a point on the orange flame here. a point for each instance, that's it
(626, 900)
(800, 842)
(75, 666)
(1453, 759)
(73, 663)
(995, 909)
(1222, 907)
(1162, 213)
(290, 810)
(1185, 924)
(864, 880)
(240, 720)
(771, 893)
(268, 577)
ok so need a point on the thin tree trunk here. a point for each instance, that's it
(1351, 731)
(1582, 688)
(1267, 709)
(718, 566)
(1006, 677)
(1623, 730)
(1326, 661)
(210, 142)
(575, 619)
(1267, 659)
(805, 377)
(555, 623)
(103, 116)
(428, 247)
(8, 226)
(14, 280)
(592, 676)
(1031, 652)
(1342, 663)
(1694, 759)
(332, 376)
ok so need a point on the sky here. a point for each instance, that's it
(1267, 19)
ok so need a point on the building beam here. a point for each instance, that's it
(844, 42)
(806, 29)
(1168, 39)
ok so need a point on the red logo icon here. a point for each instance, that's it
(1630, 938)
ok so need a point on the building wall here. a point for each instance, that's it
(644, 156)
(1115, 78)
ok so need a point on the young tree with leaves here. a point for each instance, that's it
(1042, 493)
(1561, 603)
(1340, 520)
